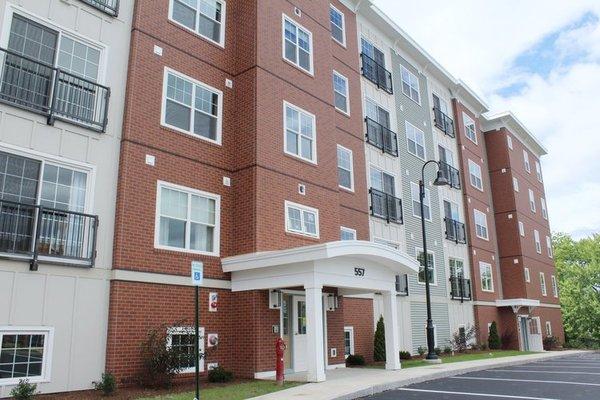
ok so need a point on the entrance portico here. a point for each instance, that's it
(353, 267)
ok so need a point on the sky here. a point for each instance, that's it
(541, 60)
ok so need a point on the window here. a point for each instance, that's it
(487, 280)
(470, 130)
(527, 275)
(347, 233)
(538, 245)
(475, 175)
(430, 266)
(182, 338)
(410, 85)
(340, 93)
(382, 181)
(554, 285)
(549, 246)
(481, 227)
(192, 107)
(415, 139)
(348, 341)
(526, 160)
(204, 17)
(301, 219)
(544, 210)
(531, 200)
(456, 267)
(548, 328)
(416, 202)
(187, 219)
(338, 25)
(515, 184)
(543, 284)
(538, 170)
(521, 229)
(25, 353)
(509, 141)
(300, 133)
(345, 168)
(297, 45)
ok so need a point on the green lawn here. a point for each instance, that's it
(459, 358)
(237, 391)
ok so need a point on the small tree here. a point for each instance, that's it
(379, 341)
(494, 341)
(462, 337)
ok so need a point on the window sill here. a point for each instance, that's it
(344, 113)
(220, 46)
(302, 235)
(299, 68)
(176, 250)
(345, 189)
(191, 135)
(298, 158)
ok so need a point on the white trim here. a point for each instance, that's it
(509, 141)
(314, 128)
(538, 243)
(427, 197)
(526, 161)
(538, 171)
(527, 274)
(48, 332)
(352, 348)
(351, 188)
(347, 95)
(549, 247)
(477, 175)
(347, 230)
(418, 89)
(554, 285)
(343, 27)
(516, 184)
(543, 207)
(532, 201)
(521, 229)
(481, 270)
(221, 42)
(467, 120)
(517, 303)
(187, 330)
(434, 269)
(543, 286)
(487, 231)
(416, 130)
(310, 42)
(301, 208)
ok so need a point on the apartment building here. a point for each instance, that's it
(61, 106)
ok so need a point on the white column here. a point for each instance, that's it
(392, 341)
(314, 334)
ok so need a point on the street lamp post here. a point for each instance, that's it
(440, 180)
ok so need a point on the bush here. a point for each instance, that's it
(107, 384)
(220, 375)
(24, 390)
(437, 351)
(354, 360)
(507, 339)
(447, 350)
(421, 350)
(461, 338)
(405, 355)
(493, 339)
(379, 341)
(551, 343)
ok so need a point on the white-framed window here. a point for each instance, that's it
(431, 265)
(521, 228)
(182, 338)
(26, 353)
(457, 267)
(410, 85)
(205, 18)
(300, 133)
(515, 184)
(549, 247)
(538, 244)
(509, 141)
(548, 328)
(481, 226)
(345, 168)
(340, 93)
(554, 285)
(531, 200)
(297, 44)
(191, 107)
(527, 275)
(301, 219)
(475, 175)
(470, 129)
(337, 23)
(187, 219)
(544, 209)
(415, 141)
(382, 181)
(543, 284)
(393, 245)
(348, 341)
(538, 170)
(416, 202)
(487, 278)
(526, 161)
(347, 233)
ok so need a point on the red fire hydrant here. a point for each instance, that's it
(279, 350)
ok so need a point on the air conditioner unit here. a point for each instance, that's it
(275, 299)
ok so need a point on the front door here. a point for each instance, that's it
(524, 333)
(299, 333)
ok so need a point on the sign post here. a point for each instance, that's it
(197, 278)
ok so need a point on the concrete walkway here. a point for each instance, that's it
(352, 383)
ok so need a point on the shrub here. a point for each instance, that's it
(437, 351)
(219, 375)
(462, 337)
(551, 343)
(507, 339)
(355, 360)
(493, 339)
(405, 355)
(379, 341)
(24, 390)
(107, 384)
(421, 350)
(447, 350)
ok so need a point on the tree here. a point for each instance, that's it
(379, 341)
(494, 342)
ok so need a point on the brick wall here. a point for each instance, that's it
(358, 313)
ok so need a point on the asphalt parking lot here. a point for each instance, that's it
(566, 378)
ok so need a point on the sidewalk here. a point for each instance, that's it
(352, 383)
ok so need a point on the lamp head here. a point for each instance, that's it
(440, 180)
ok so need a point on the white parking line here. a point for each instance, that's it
(544, 372)
(503, 396)
(524, 380)
(562, 365)
(553, 366)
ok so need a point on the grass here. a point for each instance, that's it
(237, 391)
(447, 358)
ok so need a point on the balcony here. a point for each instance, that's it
(49, 91)
(402, 285)
(381, 137)
(455, 231)
(30, 232)
(460, 288)
(385, 206)
(443, 122)
(110, 7)
(376, 73)
(451, 174)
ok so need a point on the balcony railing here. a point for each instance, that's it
(385, 206)
(402, 285)
(455, 231)
(381, 137)
(443, 122)
(56, 94)
(451, 174)
(110, 7)
(376, 73)
(57, 236)
(460, 288)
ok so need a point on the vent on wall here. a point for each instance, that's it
(297, 11)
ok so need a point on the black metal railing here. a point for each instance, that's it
(110, 7)
(376, 73)
(443, 122)
(385, 206)
(451, 174)
(402, 285)
(460, 288)
(455, 230)
(67, 237)
(56, 94)
(381, 137)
